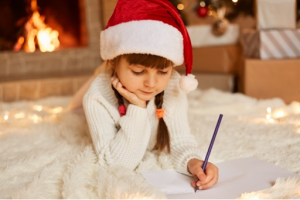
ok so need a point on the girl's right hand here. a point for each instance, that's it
(206, 179)
(131, 97)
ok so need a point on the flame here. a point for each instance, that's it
(38, 32)
(19, 43)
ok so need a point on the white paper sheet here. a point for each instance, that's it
(235, 177)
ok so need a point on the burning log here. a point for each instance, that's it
(37, 34)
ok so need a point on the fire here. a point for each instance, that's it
(37, 32)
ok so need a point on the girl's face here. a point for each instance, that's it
(144, 82)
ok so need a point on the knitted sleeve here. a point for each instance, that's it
(124, 145)
(183, 144)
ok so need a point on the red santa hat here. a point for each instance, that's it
(149, 27)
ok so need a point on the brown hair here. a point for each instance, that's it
(151, 61)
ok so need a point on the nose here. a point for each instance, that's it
(150, 80)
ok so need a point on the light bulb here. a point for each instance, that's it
(180, 6)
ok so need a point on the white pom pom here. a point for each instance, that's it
(188, 83)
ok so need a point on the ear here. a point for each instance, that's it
(115, 73)
(110, 63)
(111, 67)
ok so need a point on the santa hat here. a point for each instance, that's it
(149, 27)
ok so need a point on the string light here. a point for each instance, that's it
(35, 118)
(180, 6)
(268, 116)
(202, 4)
(279, 114)
(38, 108)
(38, 114)
(56, 110)
(19, 115)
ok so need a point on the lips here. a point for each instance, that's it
(146, 92)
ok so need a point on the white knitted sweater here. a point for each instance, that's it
(124, 140)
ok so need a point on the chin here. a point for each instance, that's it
(145, 97)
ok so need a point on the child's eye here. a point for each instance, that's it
(137, 73)
(162, 72)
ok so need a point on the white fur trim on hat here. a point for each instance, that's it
(188, 83)
(145, 37)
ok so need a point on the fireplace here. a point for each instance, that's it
(78, 23)
(58, 24)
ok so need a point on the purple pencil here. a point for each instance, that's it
(211, 145)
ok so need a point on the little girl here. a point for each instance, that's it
(140, 102)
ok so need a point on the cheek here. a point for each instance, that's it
(130, 82)
(165, 83)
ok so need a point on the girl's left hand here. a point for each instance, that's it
(130, 96)
(208, 178)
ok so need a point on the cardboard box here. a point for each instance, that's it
(269, 44)
(216, 59)
(272, 78)
(276, 14)
(224, 82)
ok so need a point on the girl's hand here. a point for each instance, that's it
(207, 179)
(131, 97)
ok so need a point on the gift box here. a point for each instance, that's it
(275, 14)
(216, 59)
(272, 78)
(269, 44)
(201, 35)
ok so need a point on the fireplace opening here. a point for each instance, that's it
(42, 25)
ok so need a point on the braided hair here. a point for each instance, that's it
(152, 61)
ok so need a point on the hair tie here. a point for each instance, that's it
(160, 113)
(122, 110)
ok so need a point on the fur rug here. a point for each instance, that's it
(46, 152)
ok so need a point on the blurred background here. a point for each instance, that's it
(51, 47)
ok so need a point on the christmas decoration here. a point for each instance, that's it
(216, 4)
(237, 7)
(201, 8)
(220, 27)
(221, 24)
(234, 7)
(180, 7)
(202, 11)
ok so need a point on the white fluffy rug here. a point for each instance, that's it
(47, 153)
